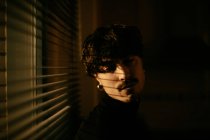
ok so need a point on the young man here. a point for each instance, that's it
(113, 56)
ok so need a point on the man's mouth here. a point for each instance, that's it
(128, 84)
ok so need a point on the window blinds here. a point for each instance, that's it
(39, 95)
(3, 74)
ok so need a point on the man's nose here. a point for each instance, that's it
(123, 72)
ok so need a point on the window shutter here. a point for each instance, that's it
(41, 79)
(3, 73)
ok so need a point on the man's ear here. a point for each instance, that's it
(96, 77)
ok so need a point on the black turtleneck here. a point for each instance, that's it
(112, 119)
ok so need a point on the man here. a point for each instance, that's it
(113, 56)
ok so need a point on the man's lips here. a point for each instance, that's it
(128, 84)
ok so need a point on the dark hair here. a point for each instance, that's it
(113, 42)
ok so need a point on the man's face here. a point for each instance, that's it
(125, 81)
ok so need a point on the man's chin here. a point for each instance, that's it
(126, 99)
(122, 98)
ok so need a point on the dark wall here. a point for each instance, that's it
(177, 37)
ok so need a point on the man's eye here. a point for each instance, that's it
(103, 68)
(107, 68)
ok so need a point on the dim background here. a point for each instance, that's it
(176, 37)
(45, 92)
